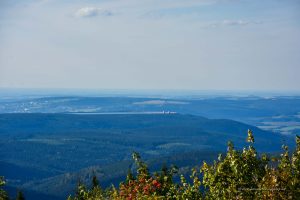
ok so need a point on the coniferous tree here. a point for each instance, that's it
(20, 195)
(95, 182)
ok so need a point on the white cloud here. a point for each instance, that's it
(234, 23)
(92, 11)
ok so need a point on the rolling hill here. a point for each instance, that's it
(42, 151)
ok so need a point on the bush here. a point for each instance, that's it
(235, 175)
(3, 194)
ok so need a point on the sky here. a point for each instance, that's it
(150, 44)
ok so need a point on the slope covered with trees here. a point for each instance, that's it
(45, 154)
(236, 175)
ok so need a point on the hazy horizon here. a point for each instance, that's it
(151, 93)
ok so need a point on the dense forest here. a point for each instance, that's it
(46, 154)
(237, 174)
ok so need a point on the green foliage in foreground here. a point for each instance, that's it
(235, 175)
(3, 194)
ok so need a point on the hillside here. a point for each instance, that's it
(39, 150)
(275, 113)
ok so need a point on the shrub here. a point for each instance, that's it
(3, 194)
(236, 175)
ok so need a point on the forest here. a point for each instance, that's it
(237, 174)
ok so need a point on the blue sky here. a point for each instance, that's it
(150, 44)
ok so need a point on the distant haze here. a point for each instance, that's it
(157, 44)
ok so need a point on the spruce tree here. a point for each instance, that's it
(20, 195)
(95, 181)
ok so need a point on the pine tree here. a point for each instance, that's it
(95, 181)
(20, 195)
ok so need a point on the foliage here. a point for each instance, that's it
(40, 144)
(238, 174)
(82, 193)
(235, 175)
(20, 195)
(3, 194)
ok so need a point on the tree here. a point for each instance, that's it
(3, 193)
(20, 195)
(95, 181)
(238, 174)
